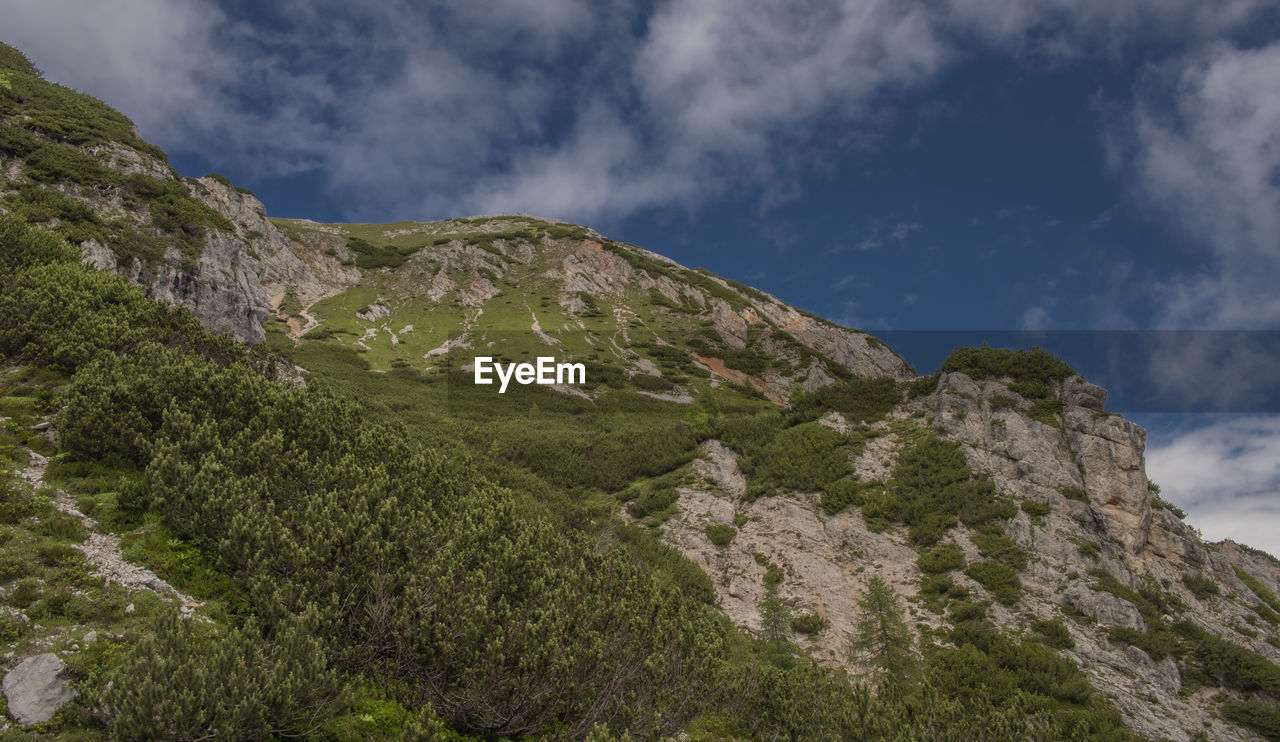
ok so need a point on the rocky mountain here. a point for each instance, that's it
(790, 459)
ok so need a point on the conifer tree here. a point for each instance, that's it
(881, 639)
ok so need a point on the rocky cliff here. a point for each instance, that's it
(1100, 543)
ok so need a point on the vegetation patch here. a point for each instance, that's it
(1047, 411)
(1074, 493)
(1032, 365)
(944, 558)
(721, 534)
(808, 624)
(1035, 508)
(931, 489)
(1054, 633)
(998, 578)
(860, 400)
(1201, 586)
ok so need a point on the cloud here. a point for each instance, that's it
(1202, 144)
(902, 230)
(565, 108)
(1035, 318)
(1226, 475)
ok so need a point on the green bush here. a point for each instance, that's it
(1054, 633)
(858, 399)
(1157, 641)
(265, 686)
(1047, 411)
(843, 493)
(1033, 365)
(1266, 596)
(998, 578)
(1034, 508)
(805, 457)
(923, 386)
(1260, 717)
(938, 590)
(931, 487)
(994, 544)
(1074, 493)
(15, 505)
(1160, 503)
(1200, 586)
(808, 623)
(721, 533)
(944, 558)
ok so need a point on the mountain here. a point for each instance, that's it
(748, 522)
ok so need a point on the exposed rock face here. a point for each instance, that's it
(34, 691)
(1117, 533)
(859, 352)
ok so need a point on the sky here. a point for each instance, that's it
(1065, 165)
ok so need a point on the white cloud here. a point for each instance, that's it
(420, 109)
(1035, 318)
(1227, 477)
(1202, 144)
(902, 230)
(154, 59)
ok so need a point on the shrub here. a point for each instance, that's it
(264, 687)
(923, 386)
(1034, 508)
(843, 493)
(1200, 586)
(1046, 411)
(1160, 503)
(931, 487)
(1267, 597)
(858, 399)
(938, 590)
(1003, 402)
(1260, 717)
(941, 559)
(1033, 365)
(1054, 633)
(721, 533)
(1074, 493)
(805, 457)
(15, 504)
(808, 623)
(997, 578)
(994, 544)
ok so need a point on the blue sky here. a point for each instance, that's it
(889, 164)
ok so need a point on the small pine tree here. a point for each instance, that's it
(775, 620)
(881, 639)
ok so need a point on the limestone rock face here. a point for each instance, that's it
(240, 273)
(1104, 608)
(1100, 537)
(34, 691)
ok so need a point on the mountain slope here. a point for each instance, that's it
(785, 460)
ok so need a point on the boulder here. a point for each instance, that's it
(34, 691)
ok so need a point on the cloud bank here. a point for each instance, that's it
(1227, 477)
